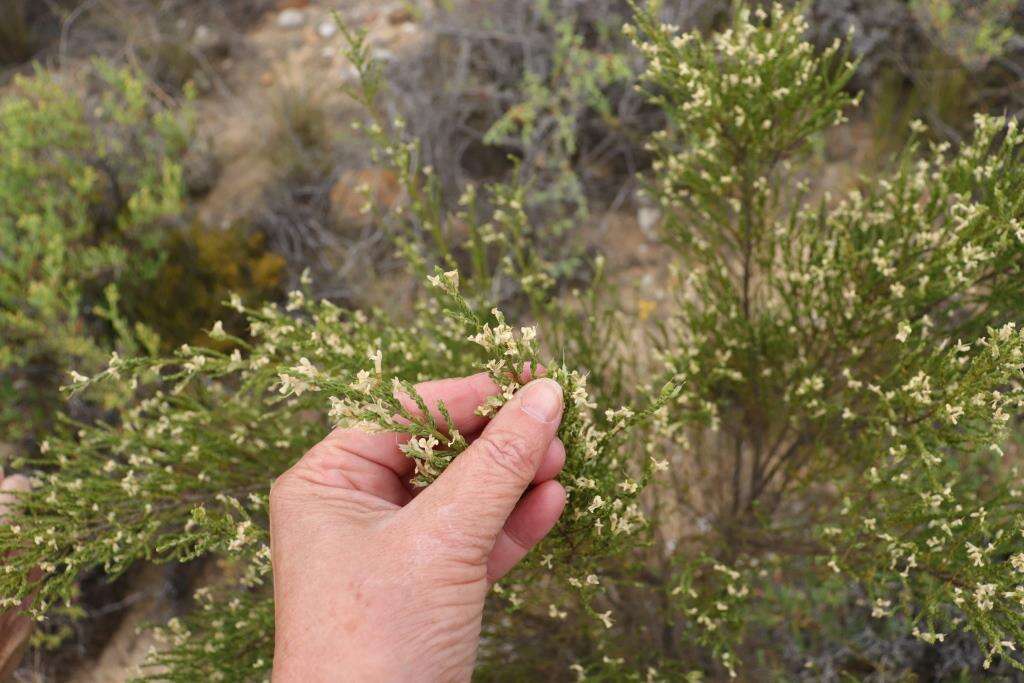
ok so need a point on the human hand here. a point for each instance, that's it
(15, 627)
(374, 583)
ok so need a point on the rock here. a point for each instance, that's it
(327, 28)
(348, 194)
(203, 36)
(648, 218)
(291, 18)
(400, 15)
(200, 169)
(348, 73)
(125, 650)
(209, 41)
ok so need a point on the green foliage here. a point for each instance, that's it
(555, 134)
(186, 472)
(856, 361)
(818, 425)
(544, 126)
(975, 33)
(86, 186)
(512, 241)
(958, 70)
(200, 268)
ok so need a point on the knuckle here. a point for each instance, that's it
(280, 493)
(283, 488)
(319, 451)
(508, 451)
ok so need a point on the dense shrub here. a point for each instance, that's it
(807, 449)
(88, 183)
(851, 365)
(554, 92)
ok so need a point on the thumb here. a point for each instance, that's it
(480, 488)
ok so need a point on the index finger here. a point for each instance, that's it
(461, 397)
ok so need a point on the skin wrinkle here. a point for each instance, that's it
(508, 451)
(515, 538)
(452, 543)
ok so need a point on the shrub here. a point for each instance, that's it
(552, 92)
(200, 267)
(549, 106)
(87, 185)
(814, 440)
(852, 364)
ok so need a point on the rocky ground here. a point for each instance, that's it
(295, 52)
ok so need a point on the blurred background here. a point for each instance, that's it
(242, 104)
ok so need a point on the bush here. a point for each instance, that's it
(553, 92)
(87, 186)
(809, 450)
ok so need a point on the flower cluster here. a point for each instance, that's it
(187, 470)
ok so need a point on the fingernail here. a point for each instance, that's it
(542, 399)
